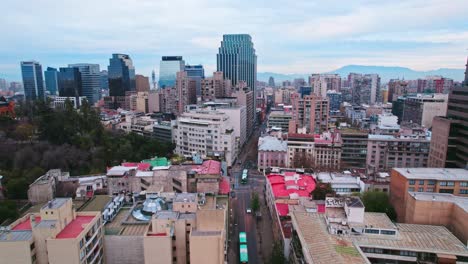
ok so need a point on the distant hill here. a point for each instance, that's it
(386, 73)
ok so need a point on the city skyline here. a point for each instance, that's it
(299, 42)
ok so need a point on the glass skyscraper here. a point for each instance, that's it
(121, 75)
(237, 60)
(69, 82)
(33, 82)
(51, 80)
(197, 73)
(90, 79)
(168, 69)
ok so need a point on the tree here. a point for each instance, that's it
(303, 160)
(255, 203)
(24, 132)
(376, 201)
(321, 191)
(277, 255)
(8, 210)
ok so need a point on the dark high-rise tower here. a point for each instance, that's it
(32, 80)
(237, 60)
(271, 81)
(121, 75)
(69, 82)
(91, 80)
(51, 80)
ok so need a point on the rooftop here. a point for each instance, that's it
(26, 224)
(185, 197)
(270, 143)
(294, 184)
(157, 162)
(208, 167)
(441, 174)
(97, 203)
(224, 186)
(461, 201)
(75, 227)
(19, 235)
(55, 203)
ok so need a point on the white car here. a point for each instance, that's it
(249, 211)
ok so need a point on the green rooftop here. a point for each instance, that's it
(157, 162)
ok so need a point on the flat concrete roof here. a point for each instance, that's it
(440, 174)
(18, 235)
(441, 197)
(55, 203)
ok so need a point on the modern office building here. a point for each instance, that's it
(69, 82)
(449, 144)
(104, 80)
(271, 82)
(215, 87)
(121, 74)
(305, 90)
(90, 80)
(51, 81)
(168, 69)
(310, 112)
(33, 82)
(142, 83)
(354, 152)
(237, 60)
(197, 73)
(208, 133)
(421, 109)
(428, 180)
(57, 234)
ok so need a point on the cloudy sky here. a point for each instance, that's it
(300, 36)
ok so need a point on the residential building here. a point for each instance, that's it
(142, 83)
(57, 234)
(70, 83)
(245, 98)
(197, 73)
(51, 81)
(438, 84)
(422, 109)
(385, 152)
(279, 119)
(238, 119)
(215, 87)
(33, 82)
(310, 112)
(283, 95)
(397, 88)
(343, 227)
(429, 180)
(272, 152)
(365, 88)
(322, 83)
(90, 81)
(354, 148)
(335, 98)
(168, 69)
(209, 133)
(237, 60)
(162, 131)
(450, 134)
(186, 89)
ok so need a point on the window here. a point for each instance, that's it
(463, 184)
(372, 231)
(443, 183)
(464, 191)
(412, 182)
(411, 189)
(387, 232)
(420, 189)
(450, 183)
(446, 191)
(421, 182)
(431, 182)
(430, 190)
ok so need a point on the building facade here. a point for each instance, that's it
(70, 82)
(186, 89)
(90, 81)
(272, 152)
(33, 82)
(142, 83)
(51, 80)
(196, 72)
(215, 87)
(354, 152)
(422, 109)
(121, 75)
(310, 112)
(168, 69)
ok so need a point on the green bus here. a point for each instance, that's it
(242, 238)
(244, 176)
(244, 256)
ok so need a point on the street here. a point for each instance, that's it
(240, 220)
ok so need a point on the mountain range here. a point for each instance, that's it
(385, 72)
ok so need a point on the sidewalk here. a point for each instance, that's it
(264, 231)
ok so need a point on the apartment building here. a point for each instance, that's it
(209, 133)
(279, 119)
(57, 234)
(215, 87)
(245, 97)
(385, 152)
(186, 90)
(354, 148)
(310, 112)
(421, 109)
(429, 180)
